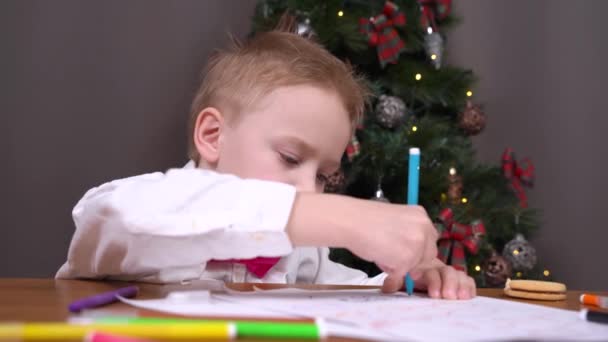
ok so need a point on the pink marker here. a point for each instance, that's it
(103, 337)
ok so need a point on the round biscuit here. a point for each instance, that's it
(535, 295)
(535, 285)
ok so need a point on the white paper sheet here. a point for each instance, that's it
(209, 307)
(393, 316)
(421, 318)
(198, 303)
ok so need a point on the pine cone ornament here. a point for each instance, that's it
(335, 182)
(520, 253)
(496, 270)
(390, 111)
(472, 119)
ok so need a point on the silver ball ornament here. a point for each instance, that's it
(433, 45)
(304, 29)
(390, 111)
(520, 253)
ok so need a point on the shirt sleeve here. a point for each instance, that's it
(138, 226)
(331, 272)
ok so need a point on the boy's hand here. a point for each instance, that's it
(439, 280)
(398, 238)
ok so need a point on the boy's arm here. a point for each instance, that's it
(141, 225)
(398, 238)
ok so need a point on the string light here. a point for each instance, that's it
(464, 200)
(433, 56)
(518, 274)
(444, 197)
(546, 273)
(477, 268)
(414, 128)
(418, 77)
(452, 171)
(516, 252)
(340, 13)
(469, 93)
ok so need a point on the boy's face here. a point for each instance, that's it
(294, 135)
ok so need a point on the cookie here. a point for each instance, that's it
(535, 295)
(535, 286)
(535, 289)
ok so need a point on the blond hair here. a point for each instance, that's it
(237, 77)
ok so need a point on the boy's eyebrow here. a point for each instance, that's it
(308, 149)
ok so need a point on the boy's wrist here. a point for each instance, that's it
(320, 220)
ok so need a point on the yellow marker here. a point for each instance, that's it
(62, 331)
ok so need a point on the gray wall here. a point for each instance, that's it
(97, 90)
(91, 91)
(542, 69)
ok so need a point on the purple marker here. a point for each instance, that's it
(103, 299)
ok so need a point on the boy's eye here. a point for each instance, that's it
(293, 161)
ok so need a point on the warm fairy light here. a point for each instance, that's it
(340, 13)
(518, 274)
(418, 77)
(444, 197)
(452, 171)
(469, 93)
(464, 200)
(477, 268)
(546, 273)
(414, 128)
(516, 252)
(433, 56)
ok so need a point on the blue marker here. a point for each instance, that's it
(413, 176)
(412, 198)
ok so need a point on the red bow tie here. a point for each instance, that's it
(258, 266)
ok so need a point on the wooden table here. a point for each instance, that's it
(48, 299)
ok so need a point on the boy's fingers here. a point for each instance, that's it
(392, 283)
(450, 283)
(385, 268)
(473, 286)
(466, 289)
(432, 280)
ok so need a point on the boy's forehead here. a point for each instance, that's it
(310, 118)
(292, 94)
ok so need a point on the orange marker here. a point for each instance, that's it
(591, 299)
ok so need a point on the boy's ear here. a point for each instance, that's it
(207, 132)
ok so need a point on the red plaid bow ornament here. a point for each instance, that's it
(381, 33)
(455, 237)
(433, 10)
(353, 148)
(519, 174)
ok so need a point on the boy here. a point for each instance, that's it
(270, 121)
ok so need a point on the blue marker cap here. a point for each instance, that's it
(409, 284)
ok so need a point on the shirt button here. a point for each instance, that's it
(258, 236)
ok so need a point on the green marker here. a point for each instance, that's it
(277, 330)
(244, 329)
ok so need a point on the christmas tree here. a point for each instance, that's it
(480, 210)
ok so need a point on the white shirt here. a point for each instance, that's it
(165, 227)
